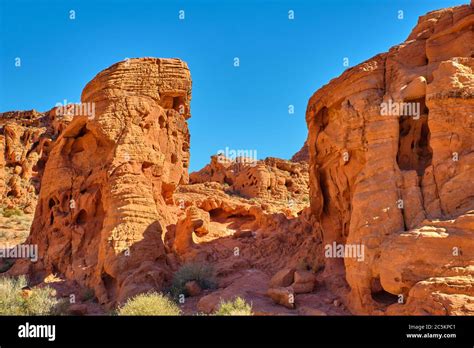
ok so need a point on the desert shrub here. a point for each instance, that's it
(15, 301)
(203, 274)
(6, 264)
(149, 304)
(236, 307)
(62, 307)
(9, 212)
(88, 295)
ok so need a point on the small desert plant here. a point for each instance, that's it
(6, 264)
(62, 307)
(9, 212)
(236, 307)
(16, 301)
(203, 274)
(87, 295)
(152, 303)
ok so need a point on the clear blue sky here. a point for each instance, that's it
(282, 61)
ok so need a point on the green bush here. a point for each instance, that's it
(236, 307)
(87, 295)
(6, 264)
(9, 212)
(203, 274)
(15, 301)
(149, 304)
(62, 307)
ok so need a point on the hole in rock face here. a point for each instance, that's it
(185, 147)
(162, 122)
(178, 104)
(39, 165)
(324, 186)
(217, 213)
(322, 118)
(174, 158)
(228, 181)
(380, 295)
(81, 218)
(146, 165)
(110, 284)
(51, 203)
(414, 150)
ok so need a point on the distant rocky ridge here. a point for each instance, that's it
(272, 177)
(302, 155)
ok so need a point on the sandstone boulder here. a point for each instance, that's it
(196, 222)
(304, 282)
(283, 278)
(282, 296)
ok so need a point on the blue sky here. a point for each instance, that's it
(282, 62)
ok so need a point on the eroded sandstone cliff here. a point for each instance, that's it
(101, 211)
(400, 184)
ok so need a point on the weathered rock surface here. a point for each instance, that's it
(272, 177)
(25, 140)
(101, 212)
(302, 155)
(276, 235)
(304, 282)
(382, 180)
(283, 278)
(196, 223)
(282, 296)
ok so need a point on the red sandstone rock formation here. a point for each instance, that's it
(272, 177)
(116, 213)
(25, 140)
(302, 155)
(387, 181)
(101, 213)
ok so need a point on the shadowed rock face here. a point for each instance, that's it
(374, 176)
(102, 207)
